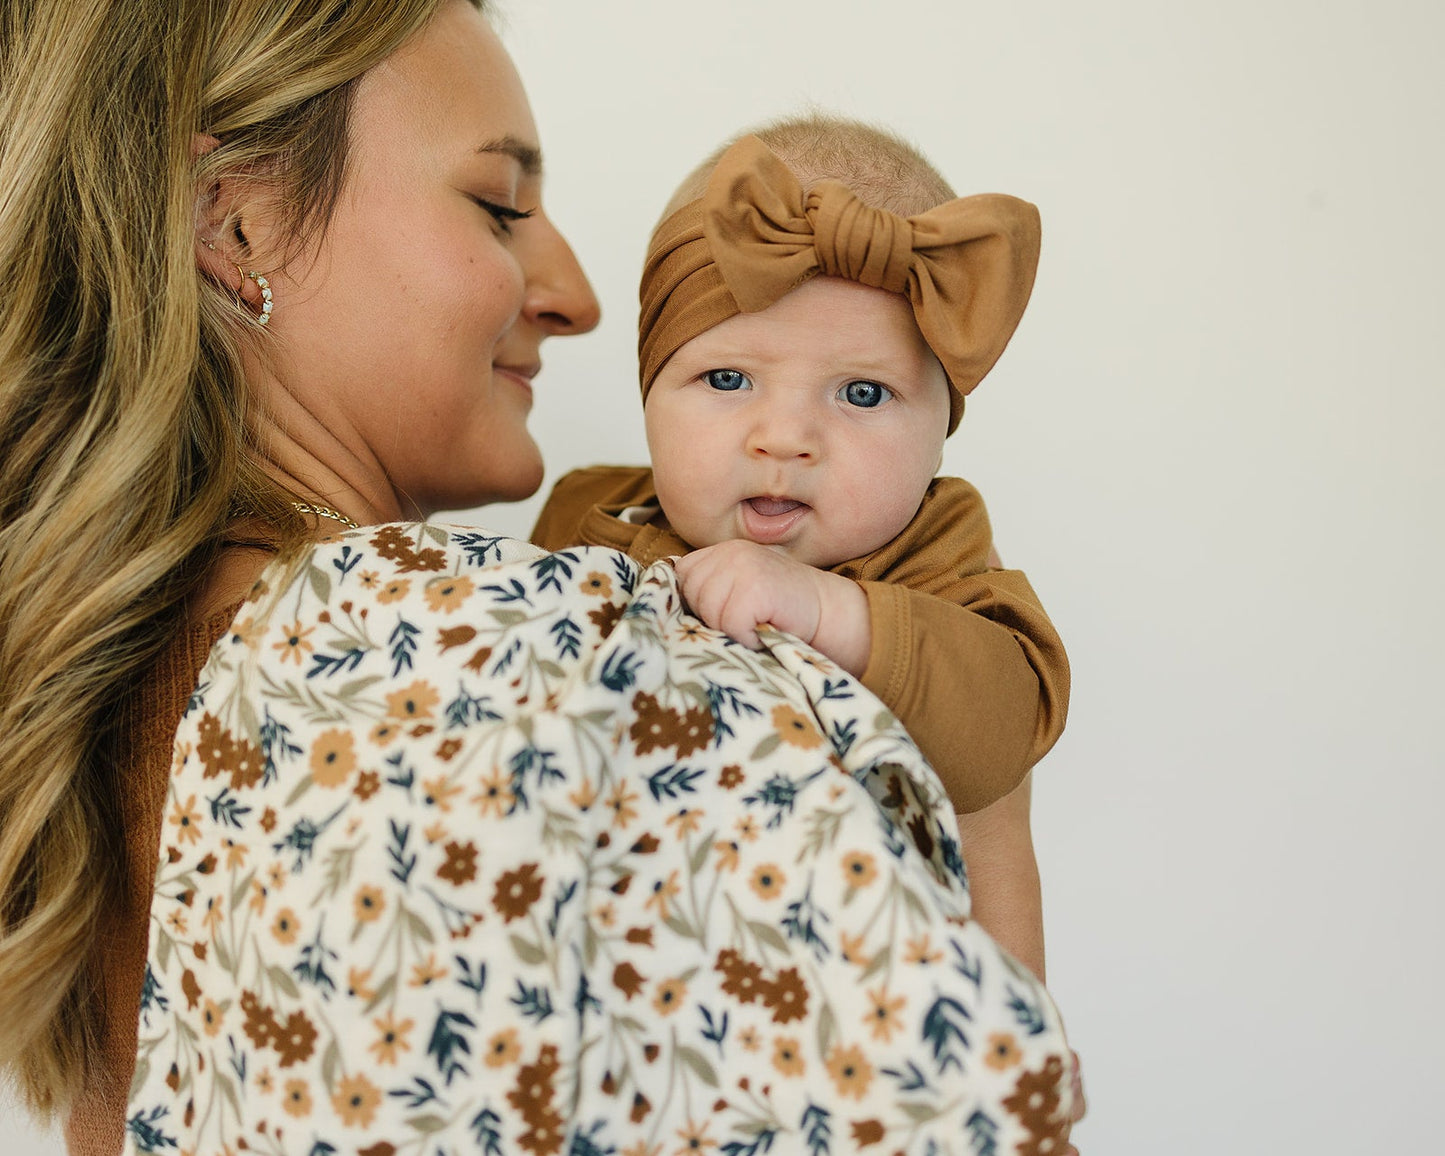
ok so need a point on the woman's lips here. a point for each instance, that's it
(768, 520)
(520, 374)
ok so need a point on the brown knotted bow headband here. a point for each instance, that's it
(966, 266)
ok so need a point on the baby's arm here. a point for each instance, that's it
(733, 586)
(1003, 876)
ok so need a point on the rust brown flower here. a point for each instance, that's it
(395, 545)
(516, 891)
(1035, 1098)
(222, 753)
(260, 1021)
(786, 996)
(461, 864)
(450, 636)
(866, 1132)
(627, 979)
(656, 726)
(605, 617)
(295, 1039)
(532, 1096)
(695, 731)
(742, 978)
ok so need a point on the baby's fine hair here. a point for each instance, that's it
(883, 170)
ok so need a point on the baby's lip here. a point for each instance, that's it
(770, 507)
(770, 520)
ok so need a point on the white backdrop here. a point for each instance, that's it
(1213, 445)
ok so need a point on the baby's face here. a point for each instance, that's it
(813, 426)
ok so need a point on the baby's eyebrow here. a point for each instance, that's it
(529, 156)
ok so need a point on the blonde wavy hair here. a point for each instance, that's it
(124, 451)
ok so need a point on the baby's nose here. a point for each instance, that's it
(785, 437)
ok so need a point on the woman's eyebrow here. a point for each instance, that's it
(527, 155)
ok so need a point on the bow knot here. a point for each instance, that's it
(856, 241)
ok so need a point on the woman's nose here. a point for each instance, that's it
(558, 298)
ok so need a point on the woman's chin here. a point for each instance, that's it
(517, 483)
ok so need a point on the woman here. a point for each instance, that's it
(268, 273)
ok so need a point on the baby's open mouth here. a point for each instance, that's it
(773, 507)
(769, 521)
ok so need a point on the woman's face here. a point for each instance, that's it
(409, 331)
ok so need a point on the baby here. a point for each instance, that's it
(816, 304)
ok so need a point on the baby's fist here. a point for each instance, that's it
(733, 586)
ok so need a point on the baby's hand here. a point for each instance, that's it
(734, 586)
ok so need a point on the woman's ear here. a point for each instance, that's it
(224, 252)
(213, 261)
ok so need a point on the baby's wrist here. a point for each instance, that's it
(845, 632)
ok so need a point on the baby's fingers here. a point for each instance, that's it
(712, 593)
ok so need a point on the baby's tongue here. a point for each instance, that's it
(772, 507)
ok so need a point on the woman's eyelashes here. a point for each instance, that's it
(727, 380)
(865, 394)
(504, 215)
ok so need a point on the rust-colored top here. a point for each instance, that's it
(96, 1126)
(965, 656)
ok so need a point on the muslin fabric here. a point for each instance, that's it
(470, 847)
(966, 266)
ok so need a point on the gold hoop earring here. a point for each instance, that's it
(264, 318)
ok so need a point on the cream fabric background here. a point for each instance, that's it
(1215, 447)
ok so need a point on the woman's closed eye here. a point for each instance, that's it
(727, 380)
(504, 215)
(865, 394)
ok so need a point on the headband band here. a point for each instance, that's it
(967, 266)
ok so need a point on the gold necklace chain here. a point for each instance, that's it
(324, 512)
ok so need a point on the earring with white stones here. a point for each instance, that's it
(264, 317)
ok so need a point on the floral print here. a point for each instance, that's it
(475, 849)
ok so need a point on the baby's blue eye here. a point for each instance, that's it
(727, 380)
(866, 394)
